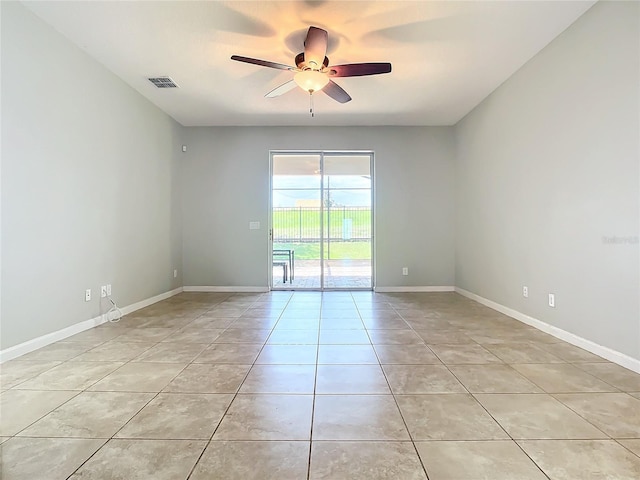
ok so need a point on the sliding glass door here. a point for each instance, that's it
(321, 220)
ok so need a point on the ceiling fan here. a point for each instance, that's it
(313, 72)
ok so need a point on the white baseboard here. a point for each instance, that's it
(414, 289)
(44, 340)
(150, 301)
(602, 351)
(204, 288)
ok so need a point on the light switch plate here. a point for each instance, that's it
(254, 225)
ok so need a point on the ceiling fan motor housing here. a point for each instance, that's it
(300, 63)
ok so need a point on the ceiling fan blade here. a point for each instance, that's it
(315, 47)
(284, 88)
(358, 69)
(262, 63)
(336, 92)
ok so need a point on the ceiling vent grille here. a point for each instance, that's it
(163, 82)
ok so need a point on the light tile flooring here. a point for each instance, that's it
(317, 386)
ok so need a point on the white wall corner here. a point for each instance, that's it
(44, 340)
(602, 351)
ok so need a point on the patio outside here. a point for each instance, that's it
(346, 258)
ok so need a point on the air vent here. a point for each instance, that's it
(163, 82)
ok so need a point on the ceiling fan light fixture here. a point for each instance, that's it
(311, 80)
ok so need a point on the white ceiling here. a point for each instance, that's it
(447, 56)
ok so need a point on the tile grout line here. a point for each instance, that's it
(127, 422)
(235, 395)
(395, 401)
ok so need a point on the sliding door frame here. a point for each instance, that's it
(321, 154)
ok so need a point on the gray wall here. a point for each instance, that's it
(547, 167)
(90, 184)
(226, 185)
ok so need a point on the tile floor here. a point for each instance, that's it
(308, 385)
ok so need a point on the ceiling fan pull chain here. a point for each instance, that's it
(311, 104)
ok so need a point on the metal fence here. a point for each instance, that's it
(302, 224)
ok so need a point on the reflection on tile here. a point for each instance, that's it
(89, 415)
(365, 461)
(563, 378)
(537, 416)
(353, 323)
(269, 461)
(178, 416)
(142, 460)
(20, 408)
(351, 379)
(347, 354)
(206, 378)
(344, 337)
(139, 377)
(293, 337)
(30, 458)
(394, 337)
(583, 459)
(447, 417)
(280, 379)
(495, 460)
(409, 379)
(357, 417)
(493, 379)
(267, 417)
(616, 414)
(237, 353)
(406, 355)
(389, 322)
(297, 323)
(292, 354)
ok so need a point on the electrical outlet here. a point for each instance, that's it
(103, 291)
(525, 292)
(109, 289)
(552, 300)
(175, 274)
(405, 270)
(87, 295)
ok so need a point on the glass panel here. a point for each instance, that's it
(347, 222)
(296, 221)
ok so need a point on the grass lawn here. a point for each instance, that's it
(337, 250)
(292, 224)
